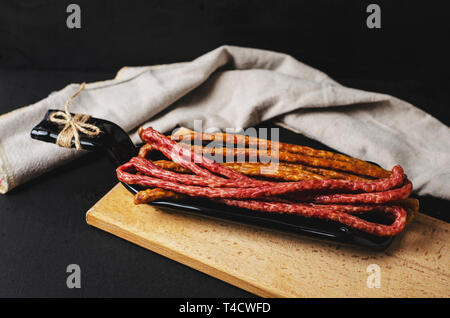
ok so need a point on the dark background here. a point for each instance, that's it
(42, 227)
(407, 57)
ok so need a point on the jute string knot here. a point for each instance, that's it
(73, 124)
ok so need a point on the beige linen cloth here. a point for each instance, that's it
(235, 87)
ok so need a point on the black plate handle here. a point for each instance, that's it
(112, 139)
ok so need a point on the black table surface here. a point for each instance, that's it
(43, 227)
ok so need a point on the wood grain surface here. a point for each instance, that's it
(275, 264)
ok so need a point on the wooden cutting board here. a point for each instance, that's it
(274, 264)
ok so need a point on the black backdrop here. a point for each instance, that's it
(330, 35)
(42, 225)
(409, 52)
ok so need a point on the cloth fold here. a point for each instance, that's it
(235, 87)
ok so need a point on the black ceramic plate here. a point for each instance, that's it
(116, 143)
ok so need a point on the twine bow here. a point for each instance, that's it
(73, 124)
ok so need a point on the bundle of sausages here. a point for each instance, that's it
(307, 182)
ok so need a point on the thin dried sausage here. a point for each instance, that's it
(333, 199)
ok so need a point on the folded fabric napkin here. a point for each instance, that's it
(235, 87)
